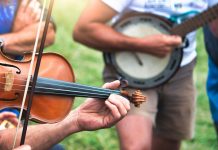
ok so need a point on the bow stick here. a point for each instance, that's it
(29, 103)
(48, 17)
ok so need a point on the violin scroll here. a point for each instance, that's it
(137, 98)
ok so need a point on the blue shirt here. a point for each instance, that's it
(211, 43)
(7, 15)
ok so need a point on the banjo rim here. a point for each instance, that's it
(165, 75)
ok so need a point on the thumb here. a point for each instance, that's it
(23, 147)
(112, 85)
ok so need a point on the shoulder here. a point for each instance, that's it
(117, 5)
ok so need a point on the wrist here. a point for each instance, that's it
(71, 123)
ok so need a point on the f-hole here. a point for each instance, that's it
(11, 66)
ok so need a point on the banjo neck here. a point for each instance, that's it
(196, 21)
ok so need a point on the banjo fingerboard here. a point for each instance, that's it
(196, 22)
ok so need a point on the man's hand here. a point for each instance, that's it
(8, 116)
(160, 45)
(95, 114)
(28, 13)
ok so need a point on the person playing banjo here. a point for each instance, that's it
(140, 43)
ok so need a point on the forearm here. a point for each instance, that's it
(24, 40)
(105, 38)
(41, 136)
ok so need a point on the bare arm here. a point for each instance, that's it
(23, 40)
(41, 136)
(92, 30)
(23, 35)
(93, 114)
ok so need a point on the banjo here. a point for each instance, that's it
(144, 70)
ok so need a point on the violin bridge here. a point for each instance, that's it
(9, 80)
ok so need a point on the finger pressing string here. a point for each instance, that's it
(119, 102)
(114, 110)
(112, 85)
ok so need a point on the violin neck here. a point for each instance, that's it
(62, 88)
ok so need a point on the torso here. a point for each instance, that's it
(171, 9)
(7, 14)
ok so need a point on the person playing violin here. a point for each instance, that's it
(19, 20)
(93, 114)
(18, 26)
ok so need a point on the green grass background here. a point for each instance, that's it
(88, 65)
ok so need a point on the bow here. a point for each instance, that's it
(29, 103)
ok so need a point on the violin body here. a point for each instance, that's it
(54, 90)
(45, 108)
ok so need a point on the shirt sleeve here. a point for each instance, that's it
(212, 2)
(117, 5)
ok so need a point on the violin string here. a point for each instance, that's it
(68, 85)
(30, 71)
(20, 76)
(13, 89)
(77, 93)
(87, 95)
(90, 91)
(21, 79)
(70, 89)
(53, 84)
(43, 90)
(3, 83)
(71, 85)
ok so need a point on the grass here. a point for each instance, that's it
(88, 65)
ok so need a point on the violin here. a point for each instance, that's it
(55, 88)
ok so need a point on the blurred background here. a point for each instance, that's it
(88, 65)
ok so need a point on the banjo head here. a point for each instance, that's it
(143, 70)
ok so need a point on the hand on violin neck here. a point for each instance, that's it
(112, 85)
(95, 114)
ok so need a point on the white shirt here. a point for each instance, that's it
(167, 9)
